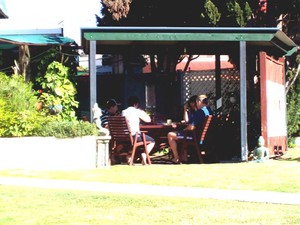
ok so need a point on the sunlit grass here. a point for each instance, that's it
(28, 206)
(276, 175)
(34, 206)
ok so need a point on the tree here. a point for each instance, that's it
(167, 13)
(293, 98)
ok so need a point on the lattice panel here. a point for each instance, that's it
(198, 82)
(204, 82)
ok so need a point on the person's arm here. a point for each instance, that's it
(185, 113)
(144, 116)
(103, 119)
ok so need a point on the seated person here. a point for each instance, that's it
(96, 118)
(194, 116)
(204, 105)
(133, 115)
(110, 110)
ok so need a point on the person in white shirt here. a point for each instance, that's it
(133, 115)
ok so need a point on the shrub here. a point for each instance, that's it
(17, 94)
(67, 129)
(58, 92)
(18, 116)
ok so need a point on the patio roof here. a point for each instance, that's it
(191, 40)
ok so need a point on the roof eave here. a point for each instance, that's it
(283, 42)
(165, 35)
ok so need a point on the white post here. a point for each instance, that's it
(243, 101)
(93, 78)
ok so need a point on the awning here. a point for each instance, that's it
(11, 39)
(36, 39)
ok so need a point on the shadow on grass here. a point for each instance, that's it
(293, 154)
(289, 159)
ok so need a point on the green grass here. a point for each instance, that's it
(28, 206)
(276, 175)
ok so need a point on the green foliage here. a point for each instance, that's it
(247, 11)
(293, 100)
(166, 13)
(67, 129)
(291, 142)
(58, 92)
(18, 115)
(212, 13)
(17, 93)
(236, 12)
(293, 112)
(62, 54)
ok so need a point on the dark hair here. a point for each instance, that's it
(110, 103)
(132, 100)
(205, 101)
(192, 99)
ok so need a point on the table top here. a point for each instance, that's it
(161, 125)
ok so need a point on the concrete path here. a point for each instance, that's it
(186, 192)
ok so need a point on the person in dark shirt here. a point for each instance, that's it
(110, 110)
(194, 117)
(195, 112)
(204, 105)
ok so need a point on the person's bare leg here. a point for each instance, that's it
(149, 149)
(144, 158)
(172, 139)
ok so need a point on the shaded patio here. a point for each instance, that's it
(246, 43)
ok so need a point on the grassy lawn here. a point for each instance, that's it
(29, 206)
(24, 205)
(276, 175)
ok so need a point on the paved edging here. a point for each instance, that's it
(187, 192)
